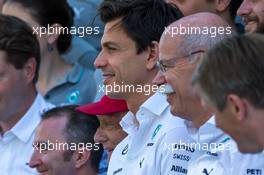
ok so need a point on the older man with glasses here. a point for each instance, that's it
(216, 152)
(163, 65)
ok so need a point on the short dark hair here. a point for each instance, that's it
(48, 12)
(18, 42)
(80, 128)
(233, 66)
(143, 20)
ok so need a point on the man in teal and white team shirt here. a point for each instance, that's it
(237, 105)
(128, 61)
(179, 56)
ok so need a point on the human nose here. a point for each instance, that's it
(159, 79)
(100, 136)
(35, 160)
(244, 9)
(100, 61)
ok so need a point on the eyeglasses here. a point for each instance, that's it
(164, 67)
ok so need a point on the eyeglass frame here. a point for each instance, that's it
(163, 68)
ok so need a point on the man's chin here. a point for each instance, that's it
(112, 89)
(173, 111)
(250, 149)
(44, 173)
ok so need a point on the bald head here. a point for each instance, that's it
(201, 19)
(199, 31)
(181, 47)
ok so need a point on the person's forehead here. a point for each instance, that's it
(52, 127)
(113, 25)
(115, 35)
(189, 6)
(113, 28)
(17, 10)
(110, 118)
(169, 46)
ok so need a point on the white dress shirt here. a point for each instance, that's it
(223, 159)
(150, 148)
(16, 144)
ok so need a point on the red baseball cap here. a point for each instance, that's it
(105, 106)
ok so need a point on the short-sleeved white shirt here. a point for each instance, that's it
(225, 159)
(16, 144)
(150, 148)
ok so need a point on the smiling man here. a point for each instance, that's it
(109, 112)
(252, 12)
(128, 60)
(179, 56)
(225, 8)
(64, 143)
(235, 90)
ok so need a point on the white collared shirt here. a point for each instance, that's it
(224, 159)
(148, 149)
(16, 144)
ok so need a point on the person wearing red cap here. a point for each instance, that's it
(109, 112)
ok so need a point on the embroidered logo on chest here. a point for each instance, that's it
(156, 131)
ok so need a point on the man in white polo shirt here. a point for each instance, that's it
(128, 62)
(179, 56)
(20, 104)
(237, 105)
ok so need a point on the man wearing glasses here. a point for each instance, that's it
(179, 56)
